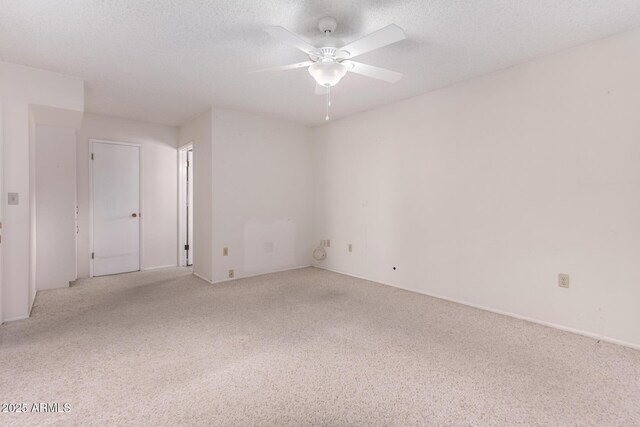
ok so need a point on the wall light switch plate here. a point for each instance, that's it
(14, 199)
(350, 247)
(225, 251)
(563, 280)
(231, 274)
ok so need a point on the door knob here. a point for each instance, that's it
(134, 215)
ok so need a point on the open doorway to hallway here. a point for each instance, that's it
(185, 173)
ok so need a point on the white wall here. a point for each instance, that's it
(252, 194)
(17, 220)
(55, 203)
(159, 186)
(262, 202)
(199, 132)
(484, 191)
(32, 211)
(2, 194)
(22, 88)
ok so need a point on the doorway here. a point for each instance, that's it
(115, 207)
(185, 231)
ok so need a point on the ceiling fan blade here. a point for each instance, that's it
(383, 37)
(320, 90)
(288, 37)
(374, 72)
(284, 67)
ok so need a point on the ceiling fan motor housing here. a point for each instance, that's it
(329, 52)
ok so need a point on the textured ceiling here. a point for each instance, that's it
(166, 60)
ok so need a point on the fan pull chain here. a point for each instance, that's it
(328, 101)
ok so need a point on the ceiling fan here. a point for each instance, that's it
(329, 63)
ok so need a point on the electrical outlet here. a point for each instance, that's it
(350, 247)
(225, 251)
(563, 280)
(231, 274)
(13, 199)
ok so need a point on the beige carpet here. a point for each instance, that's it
(299, 348)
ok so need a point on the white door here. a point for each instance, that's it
(116, 208)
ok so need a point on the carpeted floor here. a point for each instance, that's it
(299, 348)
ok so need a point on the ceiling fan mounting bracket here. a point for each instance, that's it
(327, 25)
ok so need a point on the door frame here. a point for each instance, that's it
(182, 211)
(141, 198)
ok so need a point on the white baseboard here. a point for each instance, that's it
(160, 267)
(202, 278)
(13, 319)
(22, 317)
(504, 313)
(33, 299)
(262, 274)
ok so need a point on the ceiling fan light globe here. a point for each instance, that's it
(327, 73)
